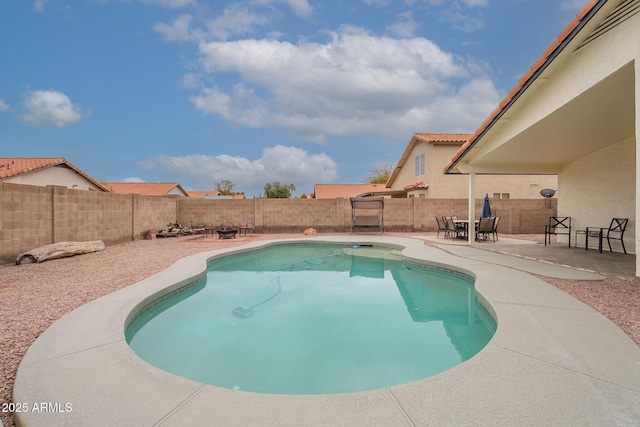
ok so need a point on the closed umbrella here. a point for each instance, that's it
(486, 209)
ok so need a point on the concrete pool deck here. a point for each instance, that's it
(552, 361)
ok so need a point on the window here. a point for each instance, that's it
(420, 168)
(501, 195)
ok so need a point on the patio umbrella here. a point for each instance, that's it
(486, 209)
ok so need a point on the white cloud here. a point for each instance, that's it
(353, 84)
(38, 5)
(235, 20)
(279, 163)
(4, 106)
(178, 30)
(133, 179)
(170, 3)
(476, 3)
(462, 21)
(405, 26)
(51, 108)
(300, 7)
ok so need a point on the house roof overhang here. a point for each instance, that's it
(600, 116)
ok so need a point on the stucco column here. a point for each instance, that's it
(472, 208)
(637, 182)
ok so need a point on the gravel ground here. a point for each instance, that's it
(33, 296)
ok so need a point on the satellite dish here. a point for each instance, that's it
(547, 192)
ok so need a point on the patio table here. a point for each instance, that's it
(465, 224)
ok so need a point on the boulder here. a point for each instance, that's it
(59, 250)
(310, 232)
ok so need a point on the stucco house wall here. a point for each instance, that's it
(54, 175)
(600, 186)
(443, 186)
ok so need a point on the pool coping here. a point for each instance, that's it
(553, 360)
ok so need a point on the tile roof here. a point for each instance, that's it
(143, 188)
(416, 186)
(583, 16)
(202, 194)
(12, 166)
(332, 191)
(442, 138)
(429, 138)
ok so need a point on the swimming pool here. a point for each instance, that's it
(552, 360)
(314, 319)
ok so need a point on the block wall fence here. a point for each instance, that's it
(33, 216)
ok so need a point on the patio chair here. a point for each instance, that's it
(495, 228)
(614, 232)
(453, 230)
(198, 226)
(442, 226)
(558, 225)
(485, 228)
(249, 226)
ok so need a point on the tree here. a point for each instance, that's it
(275, 190)
(379, 175)
(225, 187)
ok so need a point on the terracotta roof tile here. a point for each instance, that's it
(332, 191)
(416, 186)
(143, 188)
(12, 166)
(442, 137)
(201, 194)
(522, 83)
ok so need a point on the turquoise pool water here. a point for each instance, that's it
(314, 319)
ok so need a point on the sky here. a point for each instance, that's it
(300, 92)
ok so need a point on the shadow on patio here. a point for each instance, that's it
(606, 263)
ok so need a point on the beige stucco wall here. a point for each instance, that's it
(176, 192)
(457, 186)
(54, 175)
(600, 186)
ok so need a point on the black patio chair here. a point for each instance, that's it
(558, 225)
(453, 229)
(485, 228)
(442, 226)
(614, 232)
(495, 228)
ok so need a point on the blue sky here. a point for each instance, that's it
(256, 91)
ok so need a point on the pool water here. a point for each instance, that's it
(314, 319)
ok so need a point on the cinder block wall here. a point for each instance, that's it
(25, 218)
(32, 216)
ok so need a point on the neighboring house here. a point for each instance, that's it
(146, 188)
(204, 194)
(419, 173)
(332, 191)
(214, 195)
(576, 113)
(44, 171)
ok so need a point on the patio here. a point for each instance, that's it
(615, 264)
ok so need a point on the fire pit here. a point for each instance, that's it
(227, 233)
